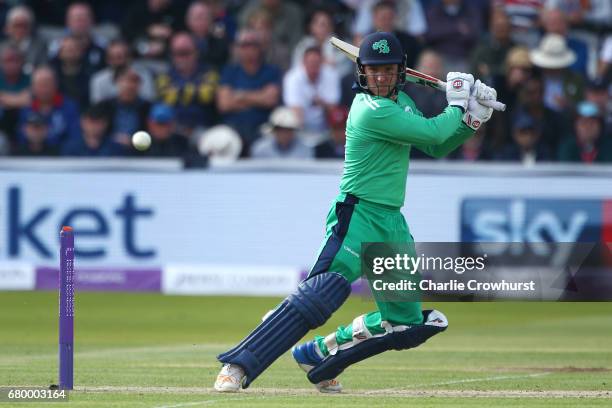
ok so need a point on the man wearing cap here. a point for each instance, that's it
(383, 125)
(36, 142)
(165, 142)
(589, 144)
(283, 143)
(527, 146)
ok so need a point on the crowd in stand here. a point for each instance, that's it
(260, 79)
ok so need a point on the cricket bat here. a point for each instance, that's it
(412, 75)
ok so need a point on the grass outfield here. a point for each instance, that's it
(148, 350)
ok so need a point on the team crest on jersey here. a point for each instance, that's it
(382, 46)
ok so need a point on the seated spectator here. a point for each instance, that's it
(148, 26)
(554, 21)
(320, 30)
(411, 18)
(19, 30)
(531, 101)
(37, 135)
(597, 92)
(431, 102)
(14, 89)
(127, 112)
(333, 148)
(96, 140)
(189, 87)
(604, 63)
(454, 29)
(102, 83)
(79, 24)
(60, 112)
(474, 149)
(71, 73)
(287, 19)
(283, 143)
(524, 17)
(275, 51)
(589, 144)
(562, 88)
(384, 16)
(487, 60)
(527, 147)
(165, 142)
(311, 89)
(212, 45)
(248, 90)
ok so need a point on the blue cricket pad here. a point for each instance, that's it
(333, 365)
(309, 307)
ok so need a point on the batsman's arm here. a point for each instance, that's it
(391, 123)
(461, 135)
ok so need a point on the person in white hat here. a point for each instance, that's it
(562, 88)
(282, 141)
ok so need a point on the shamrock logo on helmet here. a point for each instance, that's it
(382, 46)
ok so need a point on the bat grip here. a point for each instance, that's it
(496, 105)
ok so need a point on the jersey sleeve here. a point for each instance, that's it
(383, 119)
(463, 133)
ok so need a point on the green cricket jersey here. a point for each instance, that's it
(379, 135)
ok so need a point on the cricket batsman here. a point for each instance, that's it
(383, 125)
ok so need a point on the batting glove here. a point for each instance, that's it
(476, 113)
(458, 87)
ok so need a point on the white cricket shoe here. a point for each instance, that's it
(230, 378)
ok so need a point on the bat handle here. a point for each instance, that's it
(496, 105)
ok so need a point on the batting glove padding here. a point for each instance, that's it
(458, 87)
(476, 113)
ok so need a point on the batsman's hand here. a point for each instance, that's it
(458, 87)
(476, 113)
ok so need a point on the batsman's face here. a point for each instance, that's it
(381, 78)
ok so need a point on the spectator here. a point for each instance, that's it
(320, 30)
(384, 16)
(411, 18)
(60, 112)
(311, 89)
(71, 73)
(224, 22)
(149, 24)
(165, 142)
(488, 58)
(524, 17)
(287, 19)
(284, 142)
(454, 29)
(189, 87)
(592, 15)
(553, 125)
(605, 60)
(554, 21)
(127, 112)
(19, 30)
(212, 45)
(562, 87)
(79, 23)
(37, 135)
(597, 92)
(333, 148)
(248, 90)
(102, 83)
(277, 52)
(96, 140)
(14, 89)
(474, 149)
(527, 147)
(589, 144)
(431, 102)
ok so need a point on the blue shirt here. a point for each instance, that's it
(237, 78)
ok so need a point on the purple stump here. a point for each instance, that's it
(66, 309)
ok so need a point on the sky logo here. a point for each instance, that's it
(536, 220)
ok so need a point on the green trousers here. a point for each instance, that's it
(351, 222)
